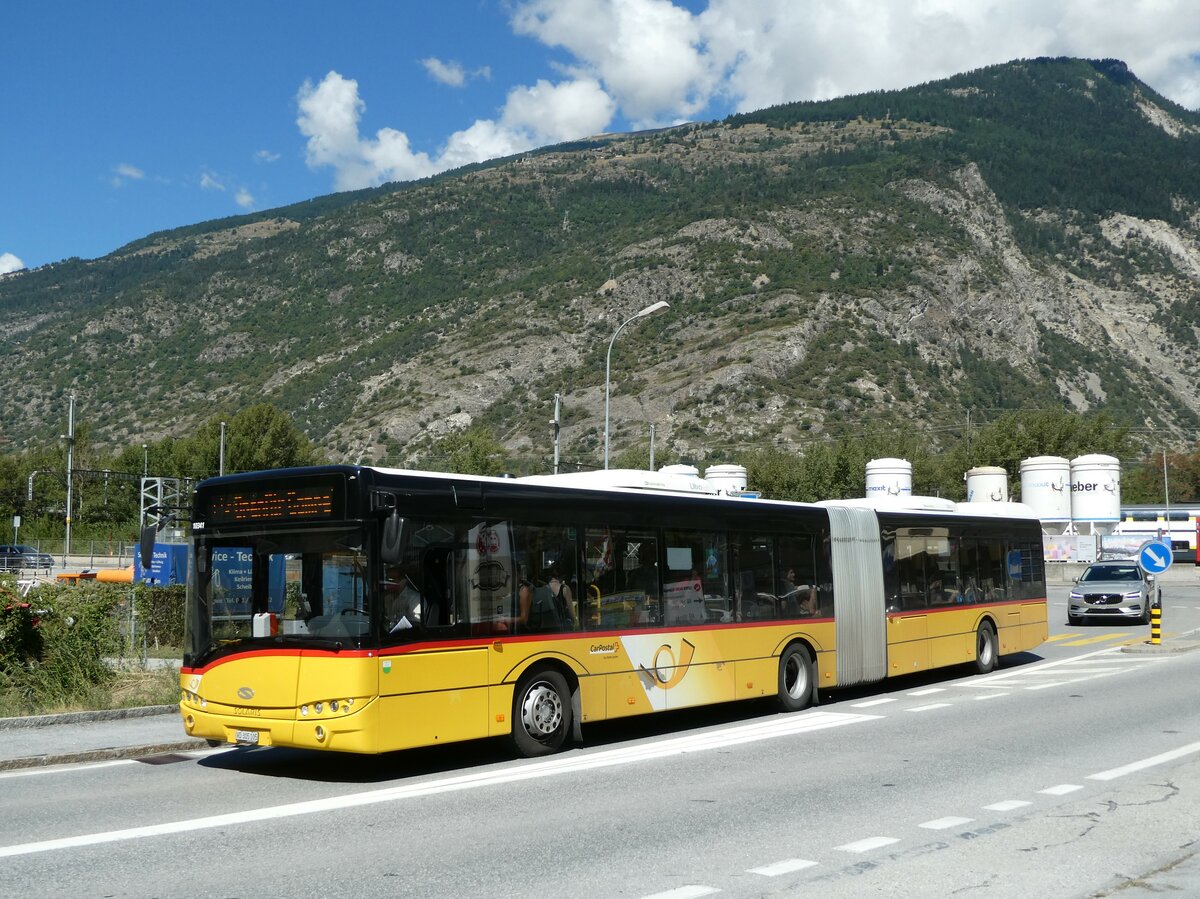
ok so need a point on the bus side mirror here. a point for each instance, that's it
(146, 546)
(391, 545)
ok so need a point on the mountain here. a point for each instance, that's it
(1022, 236)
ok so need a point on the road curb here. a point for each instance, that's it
(144, 711)
(1152, 649)
(101, 755)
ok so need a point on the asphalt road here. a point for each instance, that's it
(1070, 771)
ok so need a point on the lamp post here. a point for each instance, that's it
(649, 310)
(145, 461)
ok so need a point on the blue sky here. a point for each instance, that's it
(118, 119)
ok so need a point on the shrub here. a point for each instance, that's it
(20, 632)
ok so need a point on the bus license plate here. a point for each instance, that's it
(246, 736)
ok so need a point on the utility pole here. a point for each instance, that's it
(555, 427)
(1166, 497)
(70, 471)
(221, 463)
(652, 447)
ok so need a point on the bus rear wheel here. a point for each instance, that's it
(795, 678)
(541, 716)
(986, 649)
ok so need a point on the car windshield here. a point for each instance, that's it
(1112, 573)
(304, 586)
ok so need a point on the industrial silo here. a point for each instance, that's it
(987, 484)
(1046, 488)
(889, 477)
(730, 479)
(1095, 493)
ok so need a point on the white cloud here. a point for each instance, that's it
(124, 172)
(10, 263)
(532, 116)
(244, 198)
(266, 156)
(648, 54)
(661, 63)
(451, 73)
(209, 181)
(329, 116)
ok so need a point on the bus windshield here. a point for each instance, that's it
(304, 586)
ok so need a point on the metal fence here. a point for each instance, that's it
(87, 554)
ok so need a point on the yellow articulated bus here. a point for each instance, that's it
(367, 610)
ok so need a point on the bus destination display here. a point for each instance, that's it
(286, 504)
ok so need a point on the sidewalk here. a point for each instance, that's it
(41, 740)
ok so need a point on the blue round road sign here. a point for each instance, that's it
(1155, 556)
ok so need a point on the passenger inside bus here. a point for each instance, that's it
(545, 607)
(799, 600)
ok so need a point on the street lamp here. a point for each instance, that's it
(649, 310)
(145, 461)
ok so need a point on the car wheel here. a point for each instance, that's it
(1074, 621)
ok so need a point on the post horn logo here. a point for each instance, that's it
(666, 672)
(245, 693)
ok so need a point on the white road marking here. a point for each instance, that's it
(1007, 805)
(784, 867)
(992, 695)
(944, 823)
(64, 769)
(931, 707)
(868, 844)
(1113, 773)
(927, 691)
(1056, 683)
(1028, 670)
(688, 892)
(776, 727)
(872, 702)
(1061, 789)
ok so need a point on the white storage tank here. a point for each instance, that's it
(687, 471)
(1046, 488)
(1095, 493)
(729, 479)
(987, 484)
(889, 477)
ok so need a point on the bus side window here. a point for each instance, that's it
(622, 576)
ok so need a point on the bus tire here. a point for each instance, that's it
(986, 648)
(541, 716)
(795, 678)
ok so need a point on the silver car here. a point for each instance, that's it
(1117, 589)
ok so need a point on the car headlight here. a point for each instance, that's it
(1076, 594)
(1136, 594)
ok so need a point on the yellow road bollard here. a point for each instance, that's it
(1156, 621)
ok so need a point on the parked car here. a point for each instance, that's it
(1113, 589)
(22, 557)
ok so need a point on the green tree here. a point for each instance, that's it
(258, 438)
(473, 451)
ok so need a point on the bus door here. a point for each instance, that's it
(432, 684)
(926, 571)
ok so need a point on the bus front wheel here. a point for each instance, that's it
(985, 648)
(795, 678)
(541, 716)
